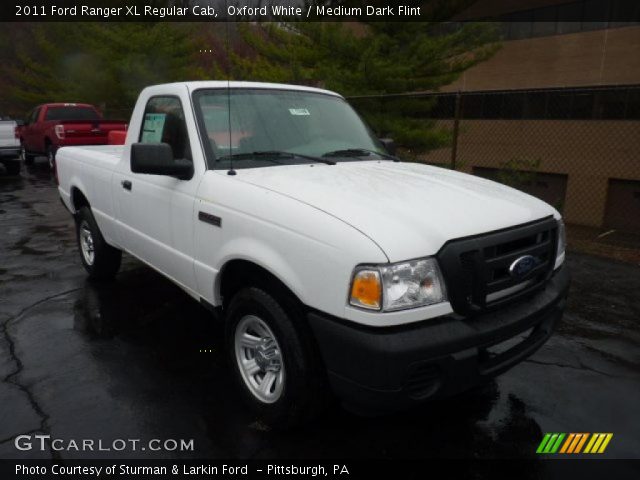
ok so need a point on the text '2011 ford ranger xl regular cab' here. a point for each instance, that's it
(337, 269)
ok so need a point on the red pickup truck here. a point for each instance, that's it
(54, 125)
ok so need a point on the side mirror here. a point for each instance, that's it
(389, 145)
(157, 159)
(20, 123)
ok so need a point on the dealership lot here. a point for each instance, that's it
(139, 359)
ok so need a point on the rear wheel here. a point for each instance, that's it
(25, 156)
(274, 359)
(100, 260)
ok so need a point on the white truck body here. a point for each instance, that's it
(9, 146)
(8, 137)
(275, 217)
(313, 225)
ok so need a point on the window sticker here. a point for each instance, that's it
(153, 127)
(299, 111)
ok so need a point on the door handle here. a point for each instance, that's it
(126, 184)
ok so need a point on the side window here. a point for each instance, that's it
(164, 122)
(33, 115)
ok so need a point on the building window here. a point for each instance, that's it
(559, 104)
(613, 103)
(472, 106)
(595, 15)
(582, 105)
(544, 21)
(569, 17)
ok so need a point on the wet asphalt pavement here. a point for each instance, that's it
(124, 360)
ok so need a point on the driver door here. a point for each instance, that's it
(155, 212)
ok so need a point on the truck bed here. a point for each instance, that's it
(97, 164)
(7, 134)
(95, 154)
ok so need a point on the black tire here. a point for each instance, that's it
(26, 156)
(51, 156)
(305, 391)
(13, 167)
(105, 262)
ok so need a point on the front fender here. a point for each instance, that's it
(265, 257)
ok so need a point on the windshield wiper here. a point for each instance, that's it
(359, 152)
(270, 154)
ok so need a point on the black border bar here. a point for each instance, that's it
(611, 11)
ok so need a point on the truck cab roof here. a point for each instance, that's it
(199, 85)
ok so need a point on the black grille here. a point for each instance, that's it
(476, 269)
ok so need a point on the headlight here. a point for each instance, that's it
(562, 239)
(398, 286)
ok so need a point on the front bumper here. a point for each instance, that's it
(380, 369)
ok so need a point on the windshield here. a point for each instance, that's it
(280, 121)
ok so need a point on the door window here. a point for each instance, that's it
(33, 115)
(164, 122)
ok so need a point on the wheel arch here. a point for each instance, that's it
(239, 272)
(78, 199)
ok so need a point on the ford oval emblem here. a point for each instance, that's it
(523, 265)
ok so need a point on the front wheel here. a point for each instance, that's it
(274, 359)
(51, 156)
(26, 156)
(100, 260)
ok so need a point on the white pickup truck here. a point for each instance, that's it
(337, 268)
(9, 147)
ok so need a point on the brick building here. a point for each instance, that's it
(563, 95)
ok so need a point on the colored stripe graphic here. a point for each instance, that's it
(573, 443)
(556, 445)
(550, 443)
(598, 443)
(567, 443)
(576, 438)
(607, 439)
(543, 443)
(581, 443)
(591, 442)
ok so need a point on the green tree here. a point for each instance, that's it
(106, 64)
(371, 61)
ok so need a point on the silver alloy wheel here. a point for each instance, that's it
(86, 243)
(259, 359)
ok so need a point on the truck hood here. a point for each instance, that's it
(410, 210)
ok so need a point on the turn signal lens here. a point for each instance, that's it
(366, 290)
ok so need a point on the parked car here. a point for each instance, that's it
(54, 125)
(9, 146)
(337, 268)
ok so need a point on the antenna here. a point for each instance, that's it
(231, 170)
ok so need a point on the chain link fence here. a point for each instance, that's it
(575, 148)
